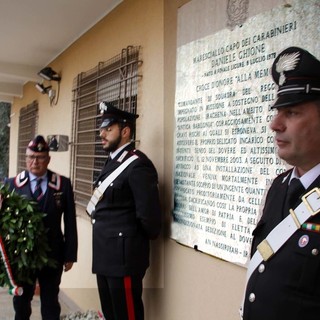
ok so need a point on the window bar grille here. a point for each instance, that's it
(116, 81)
(28, 124)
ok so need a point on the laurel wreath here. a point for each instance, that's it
(24, 237)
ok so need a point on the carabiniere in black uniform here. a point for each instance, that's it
(125, 219)
(285, 284)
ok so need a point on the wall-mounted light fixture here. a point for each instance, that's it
(50, 75)
(42, 89)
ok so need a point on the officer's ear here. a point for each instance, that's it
(126, 132)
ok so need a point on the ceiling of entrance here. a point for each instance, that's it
(35, 32)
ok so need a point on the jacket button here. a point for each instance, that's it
(315, 252)
(120, 234)
(261, 268)
(111, 184)
(93, 221)
(252, 297)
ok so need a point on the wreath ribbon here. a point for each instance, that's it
(14, 289)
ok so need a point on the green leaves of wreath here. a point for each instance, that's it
(24, 236)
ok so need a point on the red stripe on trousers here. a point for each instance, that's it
(129, 298)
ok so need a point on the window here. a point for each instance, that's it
(116, 81)
(28, 123)
(5, 109)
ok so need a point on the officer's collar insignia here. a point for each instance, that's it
(287, 62)
(55, 181)
(122, 156)
(21, 179)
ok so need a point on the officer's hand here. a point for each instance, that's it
(68, 266)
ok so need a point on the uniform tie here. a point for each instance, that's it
(37, 194)
(295, 191)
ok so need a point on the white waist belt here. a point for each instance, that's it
(310, 206)
(98, 192)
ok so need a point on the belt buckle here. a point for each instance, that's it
(304, 199)
(97, 195)
(265, 250)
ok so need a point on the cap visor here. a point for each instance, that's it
(289, 100)
(107, 123)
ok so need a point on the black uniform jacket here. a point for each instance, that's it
(57, 202)
(126, 218)
(287, 286)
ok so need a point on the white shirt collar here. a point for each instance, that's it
(114, 154)
(308, 177)
(34, 177)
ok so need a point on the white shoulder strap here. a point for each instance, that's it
(98, 192)
(278, 236)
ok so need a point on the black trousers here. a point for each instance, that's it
(49, 280)
(121, 297)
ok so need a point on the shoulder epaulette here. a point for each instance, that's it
(55, 181)
(136, 152)
(21, 179)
